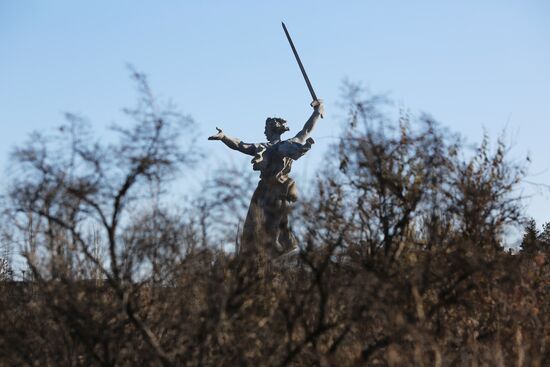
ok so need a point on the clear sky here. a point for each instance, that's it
(471, 64)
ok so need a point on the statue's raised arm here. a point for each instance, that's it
(318, 111)
(297, 146)
(234, 143)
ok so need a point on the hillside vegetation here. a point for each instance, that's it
(402, 236)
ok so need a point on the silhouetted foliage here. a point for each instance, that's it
(402, 257)
(530, 240)
(544, 236)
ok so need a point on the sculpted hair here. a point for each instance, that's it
(272, 124)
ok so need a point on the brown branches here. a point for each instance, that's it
(400, 262)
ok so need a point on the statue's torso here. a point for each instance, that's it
(271, 162)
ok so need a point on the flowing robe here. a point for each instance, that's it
(266, 222)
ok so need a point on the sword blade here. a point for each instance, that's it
(311, 91)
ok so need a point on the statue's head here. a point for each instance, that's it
(274, 127)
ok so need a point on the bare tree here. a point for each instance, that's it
(401, 254)
(72, 191)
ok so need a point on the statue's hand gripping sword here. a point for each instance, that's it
(311, 91)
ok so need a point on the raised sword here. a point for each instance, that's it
(311, 91)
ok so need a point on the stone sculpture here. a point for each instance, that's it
(266, 226)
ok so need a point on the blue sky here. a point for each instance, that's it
(470, 64)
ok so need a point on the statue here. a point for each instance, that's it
(266, 222)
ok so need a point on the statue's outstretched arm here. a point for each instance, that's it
(318, 111)
(234, 143)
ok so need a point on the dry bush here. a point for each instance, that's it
(402, 260)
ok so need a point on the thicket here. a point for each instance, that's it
(402, 253)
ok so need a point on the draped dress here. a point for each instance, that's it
(266, 225)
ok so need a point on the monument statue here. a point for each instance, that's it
(266, 223)
(266, 226)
